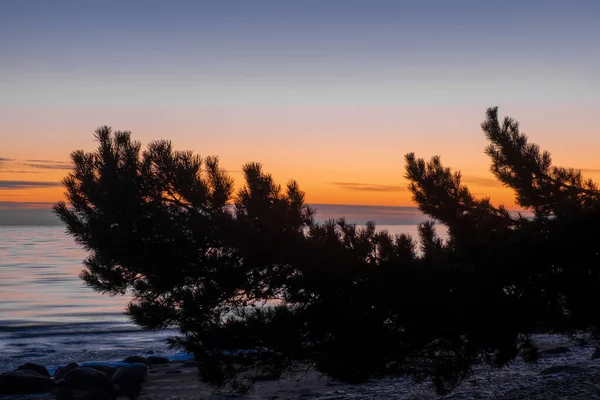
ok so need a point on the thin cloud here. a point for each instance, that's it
(4, 161)
(367, 187)
(590, 170)
(49, 166)
(8, 185)
(49, 161)
(13, 171)
(33, 164)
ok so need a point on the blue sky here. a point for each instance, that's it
(329, 92)
(264, 52)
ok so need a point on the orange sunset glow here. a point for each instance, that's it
(346, 157)
(334, 109)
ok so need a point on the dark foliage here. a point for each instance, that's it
(257, 287)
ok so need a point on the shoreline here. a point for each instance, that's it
(576, 375)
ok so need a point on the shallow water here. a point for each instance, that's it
(48, 315)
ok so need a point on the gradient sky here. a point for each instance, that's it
(330, 93)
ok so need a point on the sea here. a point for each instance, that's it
(50, 317)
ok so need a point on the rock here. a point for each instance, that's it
(136, 359)
(129, 378)
(62, 371)
(151, 360)
(107, 369)
(84, 378)
(562, 369)
(29, 372)
(100, 393)
(555, 351)
(34, 367)
(24, 381)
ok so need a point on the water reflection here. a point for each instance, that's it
(39, 268)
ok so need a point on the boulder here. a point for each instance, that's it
(62, 371)
(128, 379)
(34, 367)
(99, 393)
(562, 369)
(107, 369)
(153, 360)
(136, 359)
(24, 381)
(83, 378)
(29, 372)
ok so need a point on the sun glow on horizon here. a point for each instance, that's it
(330, 96)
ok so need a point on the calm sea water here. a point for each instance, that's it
(47, 314)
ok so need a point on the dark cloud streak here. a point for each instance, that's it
(20, 171)
(34, 164)
(8, 185)
(49, 166)
(367, 187)
(49, 161)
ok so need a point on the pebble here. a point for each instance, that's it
(34, 367)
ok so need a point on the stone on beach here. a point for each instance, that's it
(34, 367)
(62, 371)
(24, 381)
(83, 378)
(84, 383)
(107, 369)
(128, 379)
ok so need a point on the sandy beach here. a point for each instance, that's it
(178, 380)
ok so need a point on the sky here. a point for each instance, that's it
(331, 93)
